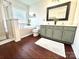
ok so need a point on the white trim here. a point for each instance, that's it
(75, 52)
(9, 40)
(6, 41)
(23, 37)
(17, 40)
(26, 35)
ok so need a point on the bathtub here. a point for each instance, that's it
(25, 30)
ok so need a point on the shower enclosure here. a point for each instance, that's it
(6, 31)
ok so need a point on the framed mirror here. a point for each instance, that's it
(59, 12)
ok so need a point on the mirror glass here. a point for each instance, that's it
(60, 12)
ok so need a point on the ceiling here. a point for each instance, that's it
(29, 2)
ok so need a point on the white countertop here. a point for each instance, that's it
(63, 25)
(28, 27)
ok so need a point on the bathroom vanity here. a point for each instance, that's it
(64, 34)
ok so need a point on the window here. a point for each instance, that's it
(19, 14)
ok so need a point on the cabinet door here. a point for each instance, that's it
(68, 36)
(42, 32)
(57, 34)
(49, 32)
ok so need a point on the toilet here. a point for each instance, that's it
(35, 32)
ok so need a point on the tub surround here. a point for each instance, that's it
(26, 30)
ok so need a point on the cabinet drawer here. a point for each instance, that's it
(49, 33)
(48, 26)
(42, 26)
(70, 28)
(58, 27)
(68, 36)
(57, 34)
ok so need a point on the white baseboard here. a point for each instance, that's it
(26, 35)
(9, 40)
(6, 41)
(19, 39)
(22, 37)
(76, 52)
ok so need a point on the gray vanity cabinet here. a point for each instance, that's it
(49, 31)
(68, 34)
(57, 34)
(43, 31)
(63, 34)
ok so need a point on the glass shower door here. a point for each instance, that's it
(2, 33)
(6, 30)
(8, 20)
(2, 29)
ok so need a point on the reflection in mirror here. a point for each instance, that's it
(57, 12)
(60, 12)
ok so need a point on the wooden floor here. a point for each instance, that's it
(26, 49)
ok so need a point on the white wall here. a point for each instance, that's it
(75, 45)
(2, 29)
(40, 10)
